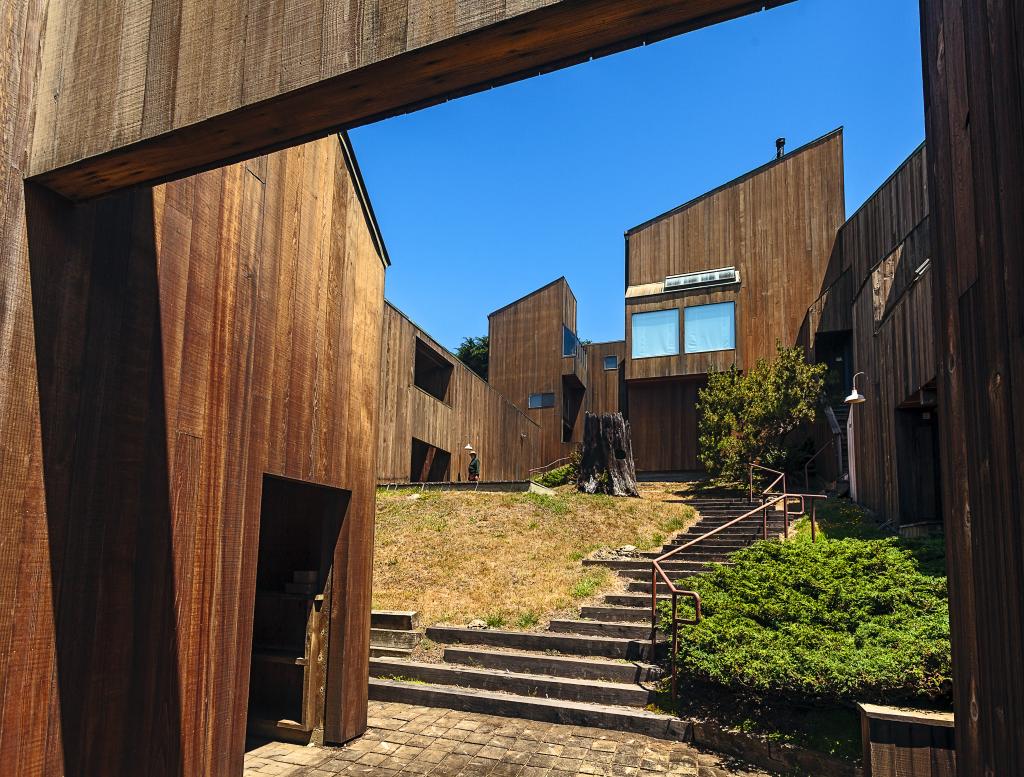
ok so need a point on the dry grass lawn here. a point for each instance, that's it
(511, 559)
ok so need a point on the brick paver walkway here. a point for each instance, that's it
(407, 740)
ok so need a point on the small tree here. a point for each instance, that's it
(474, 352)
(748, 416)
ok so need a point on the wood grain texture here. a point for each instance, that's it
(974, 109)
(474, 413)
(142, 92)
(663, 418)
(606, 389)
(776, 225)
(526, 358)
(30, 726)
(191, 338)
(886, 306)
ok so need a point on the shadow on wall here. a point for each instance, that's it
(96, 310)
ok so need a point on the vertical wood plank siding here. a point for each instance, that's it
(606, 389)
(475, 413)
(526, 358)
(877, 295)
(974, 110)
(191, 338)
(776, 225)
(136, 92)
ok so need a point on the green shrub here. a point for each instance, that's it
(748, 416)
(832, 622)
(559, 476)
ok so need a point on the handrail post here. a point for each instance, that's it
(814, 522)
(750, 483)
(764, 518)
(654, 608)
(675, 643)
(785, 513)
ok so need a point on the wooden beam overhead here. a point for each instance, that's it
(144, 93)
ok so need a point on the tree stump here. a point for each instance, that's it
(607, 465)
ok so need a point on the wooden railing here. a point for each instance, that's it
(660, 577)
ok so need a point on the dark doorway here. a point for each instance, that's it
(572, 402)
(917, 451)
(299, 527)
(429, 464)
(835, 350)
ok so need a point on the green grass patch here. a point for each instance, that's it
(527, 620)
(591, 582)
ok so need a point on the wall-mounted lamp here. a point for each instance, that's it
(855, 397)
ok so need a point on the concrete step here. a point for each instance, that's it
(554, 666)
(533, 685)
(395, 620)
(546, 710)
(377, 651)
(394, 638)
(637, 631)
(617, 614)
(571, 644)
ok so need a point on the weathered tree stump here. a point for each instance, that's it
(607, 465)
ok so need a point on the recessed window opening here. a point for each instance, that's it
(611, 362)
(428, 463)
(538, 401)
(570, 344)
(432, 373)
(655, 333)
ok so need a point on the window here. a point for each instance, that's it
(710, 327)
(538, 401)
(611, 362)
(431, 371)
(569, 342)
(656, 333)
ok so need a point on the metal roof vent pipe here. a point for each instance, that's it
(780, 148)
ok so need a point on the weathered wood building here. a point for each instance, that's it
(876, 317)
(124, 607)
(432, 406)
(718, 281)
(537, 362)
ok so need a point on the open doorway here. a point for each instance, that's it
(917, 451)
(299, 527)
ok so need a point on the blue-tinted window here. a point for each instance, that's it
(656, 333)
(611, 362)
(710, 327)
(569, 342)
(538, 401)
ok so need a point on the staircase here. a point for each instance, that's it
(595, 671)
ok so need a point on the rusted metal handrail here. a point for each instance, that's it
(807, 464)
(750, 481)
(657, 571)
(546, 467)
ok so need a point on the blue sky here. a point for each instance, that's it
(487, 197)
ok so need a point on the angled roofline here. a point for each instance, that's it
(545, 287)
(349, 154)
(457, 360)
(899, 169)
(729, 184)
